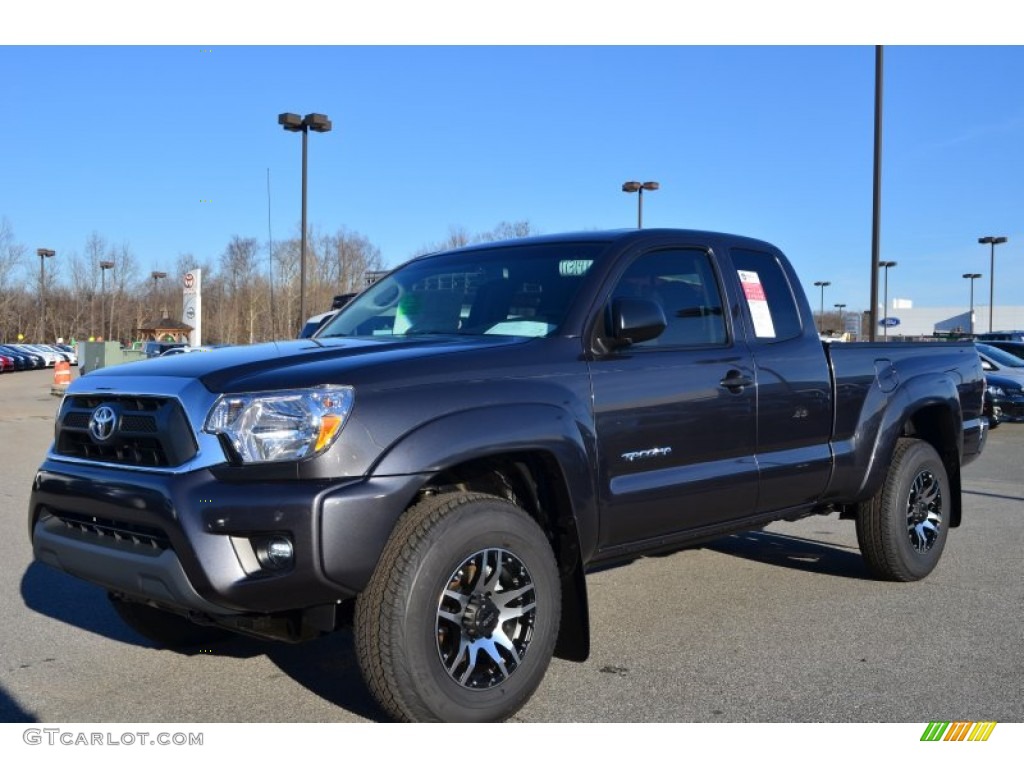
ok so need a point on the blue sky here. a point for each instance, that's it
(167, 148)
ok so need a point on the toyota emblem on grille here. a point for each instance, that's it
(101, 425)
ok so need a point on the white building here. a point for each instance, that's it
(927, 321)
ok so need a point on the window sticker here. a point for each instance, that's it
(574, 267)
(764, 328)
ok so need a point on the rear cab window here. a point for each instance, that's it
(771, 306)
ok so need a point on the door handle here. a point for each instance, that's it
(734, 381)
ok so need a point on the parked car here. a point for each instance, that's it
(174, 351)
(1000, 336)
(51, 357)
(21, 360)
(1015, 348)
(157, 348)
(995, 360)
(70, 353)
(53, 349)
(315, 323)
(1006, 396)
(36, 360)
(6, 363)
(184, 350)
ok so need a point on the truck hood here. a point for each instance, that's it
(299, 363)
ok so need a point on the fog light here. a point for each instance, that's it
(275, 553)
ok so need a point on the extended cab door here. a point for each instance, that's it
(794, 386)
(675, 415)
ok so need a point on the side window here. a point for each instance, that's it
(683, 282)
(769, 296)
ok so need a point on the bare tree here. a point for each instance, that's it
(95, 250)
(458, 236)
(74, 302)
(507, 230)
(126, 293)
(344, 259)
(286, 288)
(240, 270)
(83, 300)
(12, 256)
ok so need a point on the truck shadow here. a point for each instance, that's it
(55, 594)
(326, 667)
(11, 711)
(794, 552)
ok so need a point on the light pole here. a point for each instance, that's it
(104, 266)
(992, 241)
(821, 313)
(319, 123)
(636, 186)
(876, 198)
(842, 317)
(44, 254)
(885, 319)
(156, 276)
(972, 276)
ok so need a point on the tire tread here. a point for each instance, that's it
(378, 639)
(878, 533)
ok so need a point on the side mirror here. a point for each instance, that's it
(636, 320)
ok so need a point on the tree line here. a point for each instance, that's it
(247, 296)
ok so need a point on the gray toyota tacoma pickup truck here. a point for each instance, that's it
(446, 459)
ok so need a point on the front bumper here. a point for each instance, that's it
(185, 541)
(1012, 408)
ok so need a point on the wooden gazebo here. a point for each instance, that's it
(164, 329)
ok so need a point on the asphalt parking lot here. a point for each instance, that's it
(781, 625)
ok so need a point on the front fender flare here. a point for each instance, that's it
(516, 430)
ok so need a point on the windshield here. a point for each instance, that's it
(507, 291)
(1001, 357)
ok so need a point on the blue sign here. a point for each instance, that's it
(889, 322)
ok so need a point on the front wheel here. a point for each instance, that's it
(460, 617)
(902, 530)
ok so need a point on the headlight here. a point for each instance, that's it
(286, 425)
(996, 391)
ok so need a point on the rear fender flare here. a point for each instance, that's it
(937, 392)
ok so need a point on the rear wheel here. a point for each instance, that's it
(902, 530)
(460, 618)
(168, 630)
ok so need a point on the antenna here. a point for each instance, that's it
(270, 256)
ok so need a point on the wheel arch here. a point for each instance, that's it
(534, 456)
(926, 408)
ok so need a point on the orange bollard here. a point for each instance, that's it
(62, 374)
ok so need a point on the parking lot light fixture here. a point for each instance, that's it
(104, 266)
(972, 276)
(638, 187)
(156, 276)
(842, 317)
(992, 241)
(320, 124)
(44, 254)
(821, 312)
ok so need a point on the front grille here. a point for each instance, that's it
(148, 431)
(115, 531)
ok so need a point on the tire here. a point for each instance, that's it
(436, 635)
(902, 530)
(167, 630)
